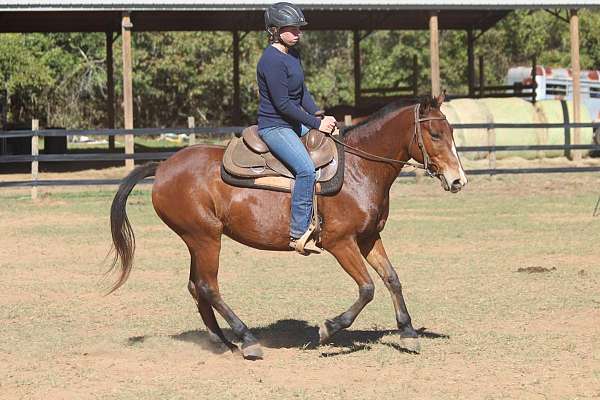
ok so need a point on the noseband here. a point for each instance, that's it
(417, 135)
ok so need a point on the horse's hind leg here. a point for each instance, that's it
(206, 267)
(206, 312)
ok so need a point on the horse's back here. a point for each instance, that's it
(194, 160)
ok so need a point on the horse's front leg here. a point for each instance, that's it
(376, 256)
(349, 257)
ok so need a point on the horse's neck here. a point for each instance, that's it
(389, 137)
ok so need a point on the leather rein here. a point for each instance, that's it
(417, 135)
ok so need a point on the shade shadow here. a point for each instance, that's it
(202, 339)
(298, 334)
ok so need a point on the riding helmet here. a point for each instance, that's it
(283, 14)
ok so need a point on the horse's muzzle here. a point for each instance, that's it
(456, 186)
(452, 185)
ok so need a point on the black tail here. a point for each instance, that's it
(122, 234)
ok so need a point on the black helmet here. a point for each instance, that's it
(283, 14)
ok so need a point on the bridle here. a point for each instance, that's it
(417, 136)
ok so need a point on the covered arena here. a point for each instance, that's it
(362, 17)
(501, 279)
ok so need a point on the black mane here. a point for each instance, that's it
(426, 101)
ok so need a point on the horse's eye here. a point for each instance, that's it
(435, 135)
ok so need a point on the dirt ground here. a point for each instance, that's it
(502, 279)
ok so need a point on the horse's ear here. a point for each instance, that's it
(424, 109)
(440, 98)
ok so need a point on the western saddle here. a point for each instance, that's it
(249, 163)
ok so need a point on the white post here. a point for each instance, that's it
(347, 120)
(491, 140)
(575, 73)
(126, 26)
(434, 53)
(35, 126)
(191, 125)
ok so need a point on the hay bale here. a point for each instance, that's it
(514, 110)
(470, 111)
(552, 112)
(452, 117)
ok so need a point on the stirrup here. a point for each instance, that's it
(306, 248)
(306, 245)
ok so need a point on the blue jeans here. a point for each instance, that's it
(285, 144)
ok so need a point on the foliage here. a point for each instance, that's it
(61, 78)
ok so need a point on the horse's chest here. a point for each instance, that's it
(375, 213)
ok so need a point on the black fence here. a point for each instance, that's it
(225, 132)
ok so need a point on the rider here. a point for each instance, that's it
(287, 111)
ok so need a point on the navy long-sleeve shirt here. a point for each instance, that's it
(284, 99)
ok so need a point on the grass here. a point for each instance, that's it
(490, 331)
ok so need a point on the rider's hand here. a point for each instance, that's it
(328, 124)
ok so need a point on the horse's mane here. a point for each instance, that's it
(426, 101)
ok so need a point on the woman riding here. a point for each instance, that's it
(286, 112)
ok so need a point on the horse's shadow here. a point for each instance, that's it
(292, 333)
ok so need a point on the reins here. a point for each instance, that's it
(418, 135)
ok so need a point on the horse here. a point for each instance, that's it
(190, 197)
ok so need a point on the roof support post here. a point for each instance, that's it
(434, 53)
(357, 68)
(471, 61)
(126, 26)
(575, 73)
(481, 77)
(236, 114)
(110, 89)
(415, 76)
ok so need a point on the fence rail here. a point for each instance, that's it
(35, 158)
(222, 131)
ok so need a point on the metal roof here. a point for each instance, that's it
(90, 5)
(196, 15)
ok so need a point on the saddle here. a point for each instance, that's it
(249, 163)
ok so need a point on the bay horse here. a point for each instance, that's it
(191, 198)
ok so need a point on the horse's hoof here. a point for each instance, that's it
(252, 352)
(413, 345)
(324, 333)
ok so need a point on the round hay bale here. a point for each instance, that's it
(553, 113)
(452, 117)
(514, 110)
(470, 111)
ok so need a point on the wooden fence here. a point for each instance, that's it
(35, 158)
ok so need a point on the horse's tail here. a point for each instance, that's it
(122, 234)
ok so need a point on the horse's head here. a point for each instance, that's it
(433, 145)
